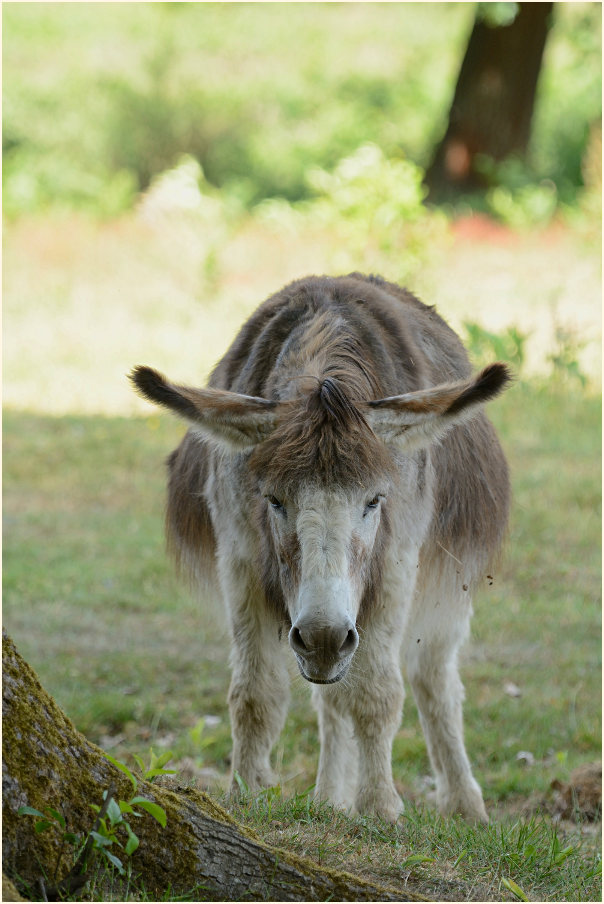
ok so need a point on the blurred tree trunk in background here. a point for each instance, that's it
(494, 97)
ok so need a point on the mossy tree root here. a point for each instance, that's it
(46, 762)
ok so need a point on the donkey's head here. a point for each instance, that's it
(321, 469)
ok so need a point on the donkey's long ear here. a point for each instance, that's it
(416, 419)
(237, 421)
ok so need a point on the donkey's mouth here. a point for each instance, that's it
(317, 679)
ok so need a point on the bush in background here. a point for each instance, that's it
(99, 99)
(373, 208)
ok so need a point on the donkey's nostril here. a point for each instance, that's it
(350, 642)
(324, 644)
(295, 639)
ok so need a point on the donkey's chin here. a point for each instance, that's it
(322, 676)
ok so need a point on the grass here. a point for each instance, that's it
(92, 590)
(442, 859)
(92, 603)
(136, 663)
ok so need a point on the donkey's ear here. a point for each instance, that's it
(237, 421)
(416, 419)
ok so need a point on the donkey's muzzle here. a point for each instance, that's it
(324, 652)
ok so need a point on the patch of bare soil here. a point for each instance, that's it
(575, 804)
(581, 796)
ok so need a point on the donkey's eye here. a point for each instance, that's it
(372, 504)
(276, 504)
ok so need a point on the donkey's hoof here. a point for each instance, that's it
(470, 806)
(382, 802)
(251, 782)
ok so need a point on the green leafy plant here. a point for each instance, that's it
(375, 200)
(374, 205)
(50, 818)
(111, 829)
(197, 733)
(565, 358)
(485, 345)
(155, 768)
(533, 204)
(118, 812)
(518, 197)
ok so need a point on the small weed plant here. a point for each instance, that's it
(111, 830)
(510, 345)
(565, 357)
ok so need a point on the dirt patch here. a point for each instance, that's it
(580, 798)
(575, 804)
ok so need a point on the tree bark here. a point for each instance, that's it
(46, 762)
(494, 98)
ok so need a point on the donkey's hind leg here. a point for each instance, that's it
(436, 630)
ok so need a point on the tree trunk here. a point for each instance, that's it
(46, 762)
(494, 98)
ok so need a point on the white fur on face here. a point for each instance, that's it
(334, 530)
(337, 533)
(334, 533)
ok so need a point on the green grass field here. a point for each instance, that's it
(92, 604)
(98, 278)
(90, 600)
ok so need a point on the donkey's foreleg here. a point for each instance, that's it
(374, 695)
(376, 711)
(258, 700)
(259, 692)
(337, 773)
(431, 661)
(257, 712)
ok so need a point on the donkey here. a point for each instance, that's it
(342, 487)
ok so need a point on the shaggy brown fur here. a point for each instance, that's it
(343, 482)
(324, 344)
(325, 438)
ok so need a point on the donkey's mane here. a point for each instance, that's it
(324, 438)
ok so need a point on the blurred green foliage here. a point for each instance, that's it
(373, 209)
(570, 96)
(375, 204)
(485, 346)
(100, 98)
